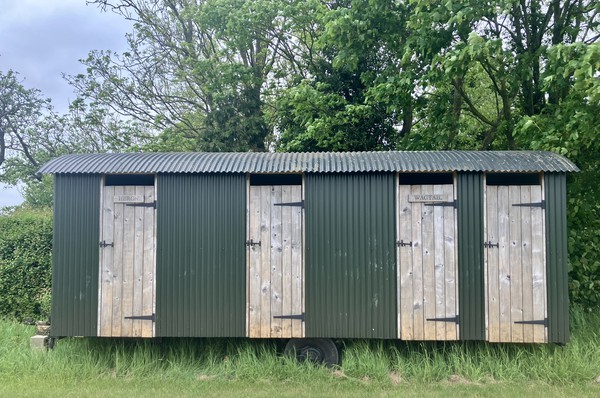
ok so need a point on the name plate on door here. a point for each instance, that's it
(429, 198)
(129, 199)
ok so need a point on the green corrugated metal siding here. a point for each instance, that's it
(350, 256)
(75, 261)
(201, 256)
(471, 293)
(555, 191)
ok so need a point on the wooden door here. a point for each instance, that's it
(275, 262)
(127, 262)
(515, 265)
(427, 272)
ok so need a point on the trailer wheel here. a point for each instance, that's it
(320, 351)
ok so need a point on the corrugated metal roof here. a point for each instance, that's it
(318, 162)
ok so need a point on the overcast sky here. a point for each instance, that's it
(42, 39)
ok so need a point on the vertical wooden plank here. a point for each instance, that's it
(450, 271)
(127, 265)
(538, 265)
(149, 263)
(516, 269)
(492, 266)
(106, 271)
(255, 256)
(405, 266)
(439, 279)
(249, 260)
(286, 260)
(543, 244)
(117, 265)
(417, 269)
(526, 265)
(428, 278)
(297, 239)
(276, 262)
(504, 277)
(265, 261)
(485, 259)
(138, 265)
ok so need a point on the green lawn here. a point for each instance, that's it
(106, 387)
(240, 368)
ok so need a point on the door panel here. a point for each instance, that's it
(275, 261)
(127, 262)
(515, 264)
(428, 300)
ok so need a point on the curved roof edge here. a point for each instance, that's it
(313, 162)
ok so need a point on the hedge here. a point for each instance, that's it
(25, 264)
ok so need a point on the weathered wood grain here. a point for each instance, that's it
(427, 269)
(127, 286)
(275, 268)
(538, 266)
(405, 266)
(106, 261)
(515, 277)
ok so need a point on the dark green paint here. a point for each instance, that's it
(75, 261)
(471, 294)
(201, 255)
(350, 256)
(555, 191)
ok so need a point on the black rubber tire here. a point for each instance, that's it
(319, 351)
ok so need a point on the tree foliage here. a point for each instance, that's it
(32, 133)
(200, 68)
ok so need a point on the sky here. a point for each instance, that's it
(42, 39)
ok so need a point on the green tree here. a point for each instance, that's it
(332, 106)
(20, 111)
(31, 133)
(449, 74)
(571, 126)
(199, 68)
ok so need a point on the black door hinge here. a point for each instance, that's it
(541, 204)
(489, 244)
(300, 317)
(402, 243)
(448, 204)
(543, 322)
(252, 243)
(143, 317)
(454, 319)
(104, 244)
(299, 204)
(150, 204)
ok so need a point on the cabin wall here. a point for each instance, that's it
(555, 187)
(201, 255)
(350, 255)
(75, 258)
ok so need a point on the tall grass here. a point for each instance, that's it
(381, 363)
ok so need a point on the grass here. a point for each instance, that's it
(238, 367)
